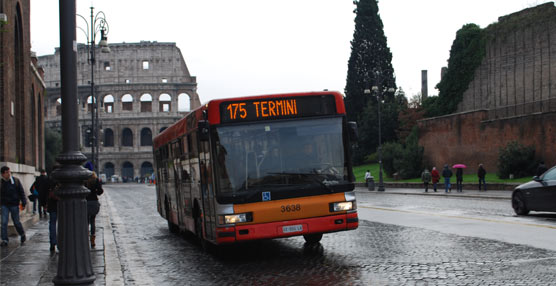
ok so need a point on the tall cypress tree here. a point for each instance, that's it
(370, 64)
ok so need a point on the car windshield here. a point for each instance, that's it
(280, 154)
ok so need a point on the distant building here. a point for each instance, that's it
(21, 95)
(142, 88)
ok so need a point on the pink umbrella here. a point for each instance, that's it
(457, 166)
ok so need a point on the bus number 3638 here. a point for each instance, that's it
(291, 208)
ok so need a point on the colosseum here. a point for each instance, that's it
(141, 89)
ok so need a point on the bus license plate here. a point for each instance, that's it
(292, 228)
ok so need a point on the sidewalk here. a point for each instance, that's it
(494, 194)
(34, 264)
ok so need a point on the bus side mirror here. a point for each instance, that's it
(353, 135)
(203, 130)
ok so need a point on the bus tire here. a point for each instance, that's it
(171, 226)
(199, 232)
(313, 237)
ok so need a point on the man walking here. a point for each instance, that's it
(11, 193)
(43, 185)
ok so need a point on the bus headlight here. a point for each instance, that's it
(235, 218)
(342, 206)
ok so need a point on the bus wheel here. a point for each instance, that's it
(199, 232)
(171, 226)
(313, 237)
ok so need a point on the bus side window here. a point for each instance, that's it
(184, 146)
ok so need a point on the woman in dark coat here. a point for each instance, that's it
(93, 206)
(459, 180)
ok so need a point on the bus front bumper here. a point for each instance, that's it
(324, 224)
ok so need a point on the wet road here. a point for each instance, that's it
(377, 253)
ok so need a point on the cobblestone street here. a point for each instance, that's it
(135, 247)
(374, 254)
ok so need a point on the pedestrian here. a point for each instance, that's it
(426, 178)
(481, 173)
(435, 177)
(52, 207)
(541, 169)
(447, 174)
(367, 177)
(33, 197)
(459, 180)
(42, 184)
(11, 194)
(93, 206)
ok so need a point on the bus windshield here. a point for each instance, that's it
(276, 155)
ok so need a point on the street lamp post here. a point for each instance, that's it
(375, 89)
(97, 24)
(74, 260)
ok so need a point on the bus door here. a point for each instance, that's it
(207, 189)
(185, 183)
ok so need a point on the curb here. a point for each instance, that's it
(113, 267)
(449, 195)
(466, 186)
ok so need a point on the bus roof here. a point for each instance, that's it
(179, 128)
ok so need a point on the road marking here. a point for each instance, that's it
(460, 217)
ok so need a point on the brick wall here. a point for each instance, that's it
(471, 138)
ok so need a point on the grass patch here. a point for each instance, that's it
(359, 172)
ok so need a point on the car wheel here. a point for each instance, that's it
(518, 204)
(313, 237)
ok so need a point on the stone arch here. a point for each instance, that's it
(109, 170)
(127, 137)
(127, 171)
(164, 103)
(146, 169)
(108, 137)
(108, 101)
(184, 102)
(146, 103)
(58, 105)
(146, 137)
(127, 102)
(89, 103)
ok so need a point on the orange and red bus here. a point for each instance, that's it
(258, 167)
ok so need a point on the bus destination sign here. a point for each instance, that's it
(277, 108)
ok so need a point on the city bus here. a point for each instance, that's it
(258, 167)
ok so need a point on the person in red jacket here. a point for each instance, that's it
(435, 177)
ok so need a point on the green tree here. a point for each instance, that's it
(53, 147)
(410, 162)
(370, 64)
(406, 159)
(516, 159)
(390, 152)
(466, 54)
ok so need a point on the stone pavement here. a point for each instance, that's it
(34, 264)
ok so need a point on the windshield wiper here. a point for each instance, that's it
(314, 177)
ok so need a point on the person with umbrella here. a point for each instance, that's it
(459, 177)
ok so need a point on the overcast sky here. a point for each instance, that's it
(249, 47)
